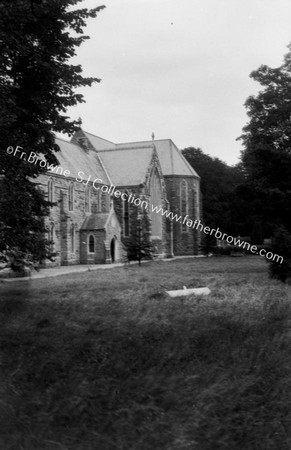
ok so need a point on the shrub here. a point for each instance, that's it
(222, 251)
(208, 244)
(281, 245)
(267, 248)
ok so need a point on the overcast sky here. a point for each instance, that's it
(179, 68)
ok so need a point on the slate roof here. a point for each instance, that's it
(98, 142)
(127, 166)
(75, 159)
(96, 221)
(171, 158)
(122, 164)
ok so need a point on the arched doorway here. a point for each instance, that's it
(112, 250)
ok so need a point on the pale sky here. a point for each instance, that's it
(178, 68)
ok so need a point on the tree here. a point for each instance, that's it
(208, 244)
(218, 184)
(281, 245)
(139, 245)
(22, 224)
(266, 138)
(257, 234)
(37, 85)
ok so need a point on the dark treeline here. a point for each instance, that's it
(222, 207)
(254, 198)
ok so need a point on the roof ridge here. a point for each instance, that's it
(68, 142)
(87, 132)
(140, 142)
(103, 167)
(125, 148)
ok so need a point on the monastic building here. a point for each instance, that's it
(99, 189)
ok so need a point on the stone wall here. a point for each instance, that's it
(63, 219)
(99, 256)
(185, 242)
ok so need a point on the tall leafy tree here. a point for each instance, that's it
(218, 184)
(266, 138)
(281, 245)
(37, 85)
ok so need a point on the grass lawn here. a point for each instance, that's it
(104, 360)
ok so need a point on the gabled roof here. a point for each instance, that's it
(171, 159)
(127, 166)
(75, 159)
(99, 142)
(97, 221)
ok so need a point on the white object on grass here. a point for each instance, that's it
(185, 291)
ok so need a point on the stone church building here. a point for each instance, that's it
(100, 189)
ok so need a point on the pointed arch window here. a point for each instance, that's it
(50, 189)
(71, 197)
(104, 202)
(87, 199)
(156, 202)
(51, 237)
(184, 203)
(72, 238)
(91, 244)
(99, 201)
(126, 216)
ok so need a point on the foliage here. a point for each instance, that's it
(104, 360)
(37, 85)
(21, 263)
(208, 244)
(281, 245)
(266, 157)
(139, 245)
(218, 183)
(257, 234)
(23, 225)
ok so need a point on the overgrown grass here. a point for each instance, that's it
(105, 360)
